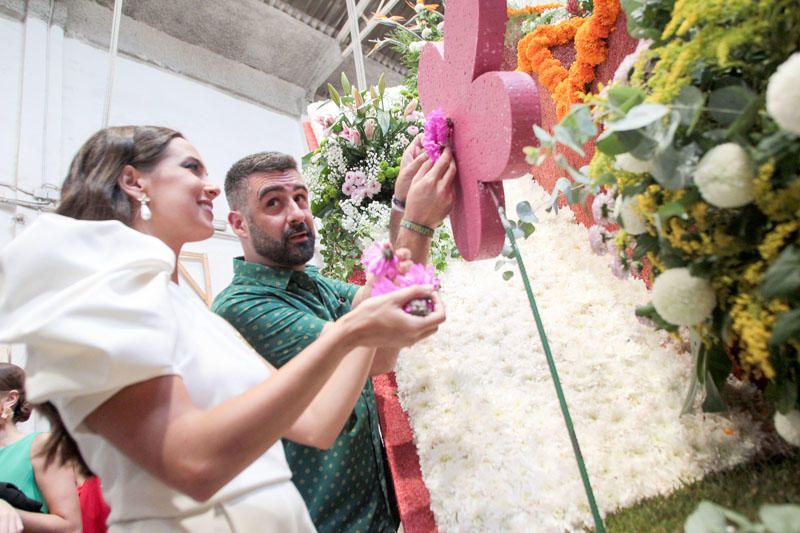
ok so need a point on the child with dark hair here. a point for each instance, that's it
(22, 464)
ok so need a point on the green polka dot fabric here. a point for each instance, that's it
(280, 312)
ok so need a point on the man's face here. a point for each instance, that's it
(279, 219)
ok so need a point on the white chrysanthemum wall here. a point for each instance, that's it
(492, 443)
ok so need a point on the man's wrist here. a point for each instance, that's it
(416, 227)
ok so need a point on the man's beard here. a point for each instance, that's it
(282, 252)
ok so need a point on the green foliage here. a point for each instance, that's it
(744, 488)
(366, 137)
(701, 84)
(712, 518)
(647, 18)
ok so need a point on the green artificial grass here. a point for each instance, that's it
(742, 489)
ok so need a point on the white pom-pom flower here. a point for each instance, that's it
(788, 426)
(681, 298)
(628, 163)
(783, 94)
(630, 219)
(725, 176)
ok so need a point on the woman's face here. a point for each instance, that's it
(181, 196)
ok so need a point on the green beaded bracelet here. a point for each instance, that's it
(418, 228)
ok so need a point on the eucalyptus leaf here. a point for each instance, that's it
(713, 402)
(744, 122)
(648, 146)
(638, 117)
(619, 142)
(780, 518)
(691, 394)
(668, 134)
(564, 136)
(508, 274)
(669, 210)
(707, 518)
(689, 105)
(576, 129)
(673, 169)
(728, 103)
(606, 178)
(532, 155)
(786, 327)
(525, 212)
(545, 139)
(782, 278)
(622, 98)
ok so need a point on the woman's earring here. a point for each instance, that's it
(144, 211)
(8, 413)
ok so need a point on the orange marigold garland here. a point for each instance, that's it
(591, 49)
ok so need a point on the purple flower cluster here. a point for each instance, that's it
(437, 133)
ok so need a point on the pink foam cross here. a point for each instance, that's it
(492, 114)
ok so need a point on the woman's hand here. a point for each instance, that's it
(10, 521)
(381, 320)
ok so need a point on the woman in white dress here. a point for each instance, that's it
(162, 398)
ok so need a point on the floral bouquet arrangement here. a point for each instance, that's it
(696, 184)
(380, 261)
(351, 175)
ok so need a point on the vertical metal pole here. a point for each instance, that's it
(358, 53)
(112, 58)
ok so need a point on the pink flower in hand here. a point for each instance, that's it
(437, 133)
(418, 275)
(380, 261)
(383, 286)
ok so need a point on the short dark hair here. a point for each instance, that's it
(236, 179)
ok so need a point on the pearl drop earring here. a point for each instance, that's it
(144, 210)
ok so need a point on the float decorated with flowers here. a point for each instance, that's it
(659, 226)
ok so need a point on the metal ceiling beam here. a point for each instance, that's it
(358, 52)
(370, 26)
(112, 59)
(362, 5)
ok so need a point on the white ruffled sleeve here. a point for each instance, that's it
(91, 302)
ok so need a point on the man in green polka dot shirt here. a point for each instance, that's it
(280, 305)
